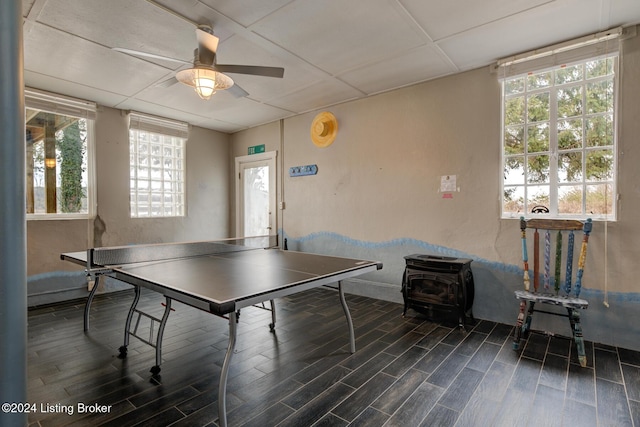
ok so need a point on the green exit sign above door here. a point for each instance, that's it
(256, 149)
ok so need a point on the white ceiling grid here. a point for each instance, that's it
(332, 51)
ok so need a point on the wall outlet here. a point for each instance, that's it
(281, 205)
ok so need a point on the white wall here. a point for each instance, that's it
(207, 187)
(207, 216)
(376, 194)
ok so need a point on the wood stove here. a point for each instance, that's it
(439, 287)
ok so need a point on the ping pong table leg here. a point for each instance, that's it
(127, 328)
(87, 305)
(167, 309)
(222, 388)
(343, 301)
(272, 326)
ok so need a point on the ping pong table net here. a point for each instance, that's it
(121, 255)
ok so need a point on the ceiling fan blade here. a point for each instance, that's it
(237, 91)
(207, 44)
(251, 69)
(149, 55)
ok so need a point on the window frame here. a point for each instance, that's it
(164, 128)
(554, 183)
(71, 107)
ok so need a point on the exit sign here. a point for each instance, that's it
(256, 149)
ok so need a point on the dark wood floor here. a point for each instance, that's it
(405, 372)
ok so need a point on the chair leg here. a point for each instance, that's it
(527, 323)
(576, 328)
(518, 331)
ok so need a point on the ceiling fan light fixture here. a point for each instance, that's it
(204, 80)
(204, 84)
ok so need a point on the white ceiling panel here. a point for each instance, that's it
(618, 13)
(337, 36)
(185, 116)
(318, 95)
(442, 19)
(74, 59)
(26, 6)
(239, 50)
(179, 97)
(72, 89)
(473, 48)
(247, 112)
(131, 24)
(420, 64)
(229, 112)
(332, 50)
(246, 12)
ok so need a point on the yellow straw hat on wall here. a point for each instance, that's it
(324, 129)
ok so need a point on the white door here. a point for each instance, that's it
(256, 194)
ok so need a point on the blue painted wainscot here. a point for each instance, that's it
(495, 283)
(618, 325)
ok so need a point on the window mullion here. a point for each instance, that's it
(553, 150)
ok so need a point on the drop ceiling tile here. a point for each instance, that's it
(246, 113)
(183, 97)
(131, 24)
(619, 13)
(417, 65)
(26, 7)
(484, 45)
(332, 50)
(176, 114)
(72, 89)
(441, 19)
(318, 95)
(57, 54)
(336, 36)
(236, 113)
(238, 50)
(177, 96)
(246, 12)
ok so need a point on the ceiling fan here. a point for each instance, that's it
(205, 75)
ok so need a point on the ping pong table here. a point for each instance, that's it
(219, 277)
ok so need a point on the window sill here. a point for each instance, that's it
(594, 218)
(58, 217)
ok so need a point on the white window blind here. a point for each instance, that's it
(158, 125)
(58, 104)
(592, 46)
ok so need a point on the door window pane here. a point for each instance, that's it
(256, 201)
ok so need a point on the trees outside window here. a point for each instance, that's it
(57, 163)
(558, 144)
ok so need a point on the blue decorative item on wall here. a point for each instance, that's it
(303, 170)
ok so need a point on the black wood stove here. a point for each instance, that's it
(439, 287)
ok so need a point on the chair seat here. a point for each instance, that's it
(546, 298)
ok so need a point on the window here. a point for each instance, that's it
(157, 169)
(59, 154)
(558, 144)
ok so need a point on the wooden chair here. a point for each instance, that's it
(560, 287)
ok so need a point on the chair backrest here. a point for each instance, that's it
(555, 254)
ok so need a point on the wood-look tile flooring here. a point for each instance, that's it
(405, 372)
